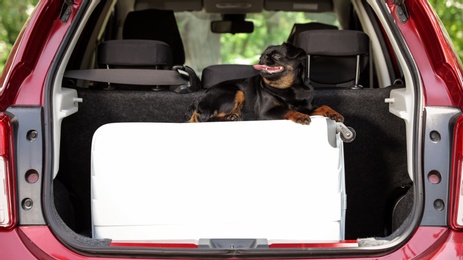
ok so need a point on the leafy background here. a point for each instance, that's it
(451, 14)
(14, 13)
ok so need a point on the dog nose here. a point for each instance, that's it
(266, 59)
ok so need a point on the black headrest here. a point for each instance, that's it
(139, 53)
(154, 24)
(333, 54)
(218, 73)
(301, 27)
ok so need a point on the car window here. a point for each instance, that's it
(205, 48)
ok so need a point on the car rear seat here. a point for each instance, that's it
(138, 64)
(135, 53)
(301, 27)
(215, 74)
(335, 57)
(155, 24)
(151, 54)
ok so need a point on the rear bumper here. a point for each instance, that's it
(38, 242)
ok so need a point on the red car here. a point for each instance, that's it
(97, 161)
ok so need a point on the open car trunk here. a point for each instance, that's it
(376, 175)
(151, 180)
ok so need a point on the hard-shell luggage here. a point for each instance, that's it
(273, 180)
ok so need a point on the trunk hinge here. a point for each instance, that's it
(402, 11)
(66, 10)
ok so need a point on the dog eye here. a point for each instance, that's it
(276, 56)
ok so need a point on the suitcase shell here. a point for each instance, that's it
(274, 180)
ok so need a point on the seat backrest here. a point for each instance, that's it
(155, 24)
(146, 62)
(215, 74)
(335, 56)
(301, 27)
(138, 64)
(135, 54)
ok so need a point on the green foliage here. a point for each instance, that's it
(270, 28)
(451, 14)
(13, 14)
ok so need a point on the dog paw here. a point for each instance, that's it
(232, 117)
(298, 117)
(327, 111)
(335, 116)
(225, 117)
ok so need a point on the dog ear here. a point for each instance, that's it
(297, 53)
(294, 52)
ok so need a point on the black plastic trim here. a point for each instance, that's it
(28, 138)
(437, 139)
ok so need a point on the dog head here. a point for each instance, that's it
(281, 66)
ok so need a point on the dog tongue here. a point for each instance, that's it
(260, 67)
(269, 69)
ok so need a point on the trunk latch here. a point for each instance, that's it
(401, 10)
(66, 10)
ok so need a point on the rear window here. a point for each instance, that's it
(270, 28)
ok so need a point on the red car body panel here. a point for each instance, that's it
(25, 74)
(12, 247)
(426, 243)
(433, 55)
(32, 55)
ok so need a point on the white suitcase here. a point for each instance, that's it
(272, 180)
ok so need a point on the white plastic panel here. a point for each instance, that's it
(276, 180)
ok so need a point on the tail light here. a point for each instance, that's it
(7, 188)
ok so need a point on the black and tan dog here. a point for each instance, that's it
(278, 92)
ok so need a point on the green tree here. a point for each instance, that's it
(450, 13)
(270, 28)
(13, 14)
